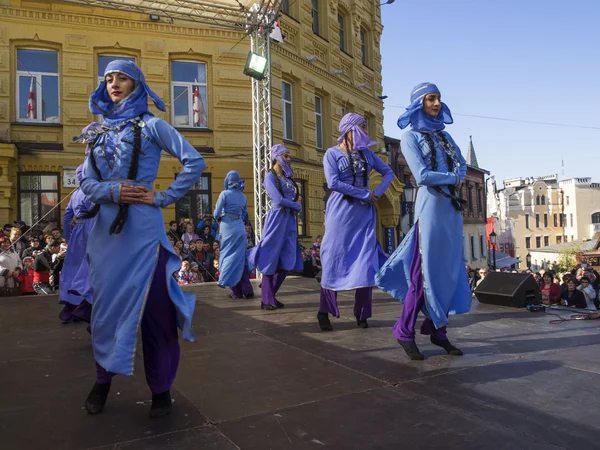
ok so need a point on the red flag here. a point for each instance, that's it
(198, 108)
(31, 106)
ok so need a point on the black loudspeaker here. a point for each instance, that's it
(509, 289)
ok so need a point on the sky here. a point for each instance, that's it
(524, 60)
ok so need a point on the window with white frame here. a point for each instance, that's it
(319, 121)
(342, 32)
(315, 16)
(37, 86)
(288, 122)
(189, 94)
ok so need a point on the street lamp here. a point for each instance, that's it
(410, 192)
(494, 241)
(388, 2)
(528, 259)
(256, 66)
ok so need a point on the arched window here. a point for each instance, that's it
(543, 199)
(596, 217)
(537, 200)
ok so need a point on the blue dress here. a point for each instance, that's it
(278, 247)
(231, 211)
(350, 253)
(123, 265)
(440, 236)
(75, 275)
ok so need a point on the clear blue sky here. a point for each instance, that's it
(520, 59)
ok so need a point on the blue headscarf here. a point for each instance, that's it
(132, 106)
(233, 181)
(415, 115)
(277, 152)
(360, 139)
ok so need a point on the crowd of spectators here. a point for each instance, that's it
(577, 288)
(31, 258)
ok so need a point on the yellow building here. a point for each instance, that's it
(329, 64)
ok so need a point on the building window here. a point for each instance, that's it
(188, 94)
(470, 197)
(342, 33)
(196, 202)
(545, 220)
(543, 199)
(301, 217)
(38, 195)
(363, 47)
(319, 121)
(482, 248)
(558, 239)
(567, 200)
(473, 248)
(526, 220)
(315, 16)
(538, 242)
(37, 86)
(479, 200)
(571, 219)
(565, 238)
(537, 220)
(555, 220)
(596, 217)
(527, 242)
(563, 219)
(546, 241)
(572, 238)
(288, 122)
(285, 7)
(537, 200)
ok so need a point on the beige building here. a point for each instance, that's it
(547, 212)
(56, 51)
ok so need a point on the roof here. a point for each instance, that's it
(471, 156)
(584, 246)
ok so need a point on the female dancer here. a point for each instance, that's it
(278, 251)
(75, 290)
(131, 259)
(427, 270)
(350, 254)
(231, 212)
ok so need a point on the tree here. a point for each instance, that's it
(568, 259)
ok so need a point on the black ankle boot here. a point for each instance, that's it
(411, 349)
(268, 307)
(249, 296)
(362, 323)
(324, 322)
(279, 304)
(161, 404)
(446, 345)
(96, 399)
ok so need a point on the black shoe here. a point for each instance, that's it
(446, 345)
(362, 323)
(268, 307)
(279, 304)
(89, 329)
(249, 296)
(412, 350)
(95, 401)
(324, 322)
(161, 404)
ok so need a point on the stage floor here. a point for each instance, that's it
(272, 380)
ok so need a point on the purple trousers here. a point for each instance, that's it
(160, 342)
(244, 287)
(414, 302)
(270, 286)
(363, 302)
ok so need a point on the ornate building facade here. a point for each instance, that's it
(54, 53)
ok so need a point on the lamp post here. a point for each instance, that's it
(528, 259)
(410, 192)
(493, 241)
